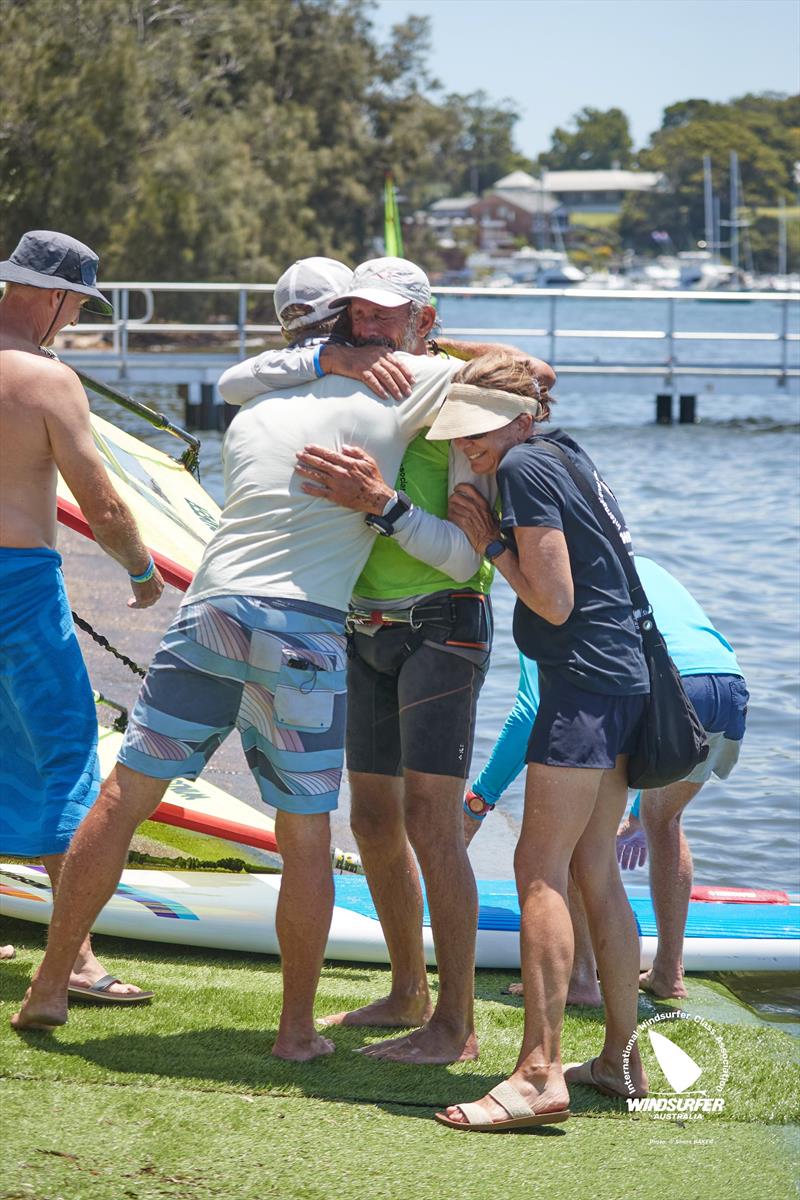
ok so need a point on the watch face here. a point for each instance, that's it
(475, 803)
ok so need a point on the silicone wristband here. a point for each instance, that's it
(146, 575)
(320, 371)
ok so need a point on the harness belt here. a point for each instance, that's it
(464, 615)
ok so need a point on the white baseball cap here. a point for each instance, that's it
(389, 282)
(470, 410)
(312, 282)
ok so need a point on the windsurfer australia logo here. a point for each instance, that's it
(696, 1070)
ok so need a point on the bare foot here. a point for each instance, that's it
(608, 1078)
(392, 1012)
(546, 1095)
(584, 994)
(302, 1049)
(40, 1013)
(430, 1046)
(580, 995)
(665, 987)
(7, 952)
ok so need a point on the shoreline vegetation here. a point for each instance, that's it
(228, 139)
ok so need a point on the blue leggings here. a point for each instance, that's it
(508, 756)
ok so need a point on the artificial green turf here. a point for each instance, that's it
(216, 1015)
(182, 1099)
(99, 1142)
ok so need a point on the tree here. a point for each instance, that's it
(600, 140)
(757, 128)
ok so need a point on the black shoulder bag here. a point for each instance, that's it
(671, 741)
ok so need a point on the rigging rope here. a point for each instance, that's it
(104, 642)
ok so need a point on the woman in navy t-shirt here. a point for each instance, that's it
(574, 616)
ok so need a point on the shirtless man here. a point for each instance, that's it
(47, 712)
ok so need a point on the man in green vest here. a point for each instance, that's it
(419, 650)
(421, 632)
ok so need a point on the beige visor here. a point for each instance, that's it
(471, 410)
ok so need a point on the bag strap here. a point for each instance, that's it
(609, 523)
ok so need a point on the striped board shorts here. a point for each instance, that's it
(272, 668)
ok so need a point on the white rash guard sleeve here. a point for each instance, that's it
(270, 371)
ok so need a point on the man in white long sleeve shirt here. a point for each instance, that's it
(258, 644)
(419, 651)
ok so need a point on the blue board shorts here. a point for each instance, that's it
(49, 774)
(577, 728)
(720, 702)
(272, 668)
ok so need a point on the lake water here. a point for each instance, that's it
(718, 504)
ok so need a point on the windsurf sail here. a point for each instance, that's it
(175, 515)
(392, 229)
(191, 455)
(680, 1069)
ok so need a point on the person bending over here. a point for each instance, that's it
(715, 685)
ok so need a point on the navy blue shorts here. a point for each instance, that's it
(576, 728)
(720, 702)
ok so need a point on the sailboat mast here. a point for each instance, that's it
(708, 203)
(734, 221)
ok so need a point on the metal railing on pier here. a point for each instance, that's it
(179, 361)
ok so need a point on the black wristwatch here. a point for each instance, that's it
(384, 524)
(494, 549)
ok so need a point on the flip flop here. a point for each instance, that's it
(98, 993)
(591, 1080)
(520, 1113)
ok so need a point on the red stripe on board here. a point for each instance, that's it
(70, 515)
(229, 831)
(730, 895)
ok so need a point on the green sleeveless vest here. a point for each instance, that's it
(390, 572)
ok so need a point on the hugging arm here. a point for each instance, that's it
(539, 572)
(295, 366)
(353, 480)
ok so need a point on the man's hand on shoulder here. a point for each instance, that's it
(377, 367)
(351, 479)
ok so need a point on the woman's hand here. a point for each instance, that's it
(469, 510)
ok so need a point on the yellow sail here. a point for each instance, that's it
(175, 515)
(392, 229)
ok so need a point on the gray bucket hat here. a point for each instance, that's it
(46, 259)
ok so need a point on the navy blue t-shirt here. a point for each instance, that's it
(598, 647)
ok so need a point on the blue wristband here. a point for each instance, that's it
(317, 364)
(146, 575)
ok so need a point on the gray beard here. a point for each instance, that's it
(375, 341)
(407, 342)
